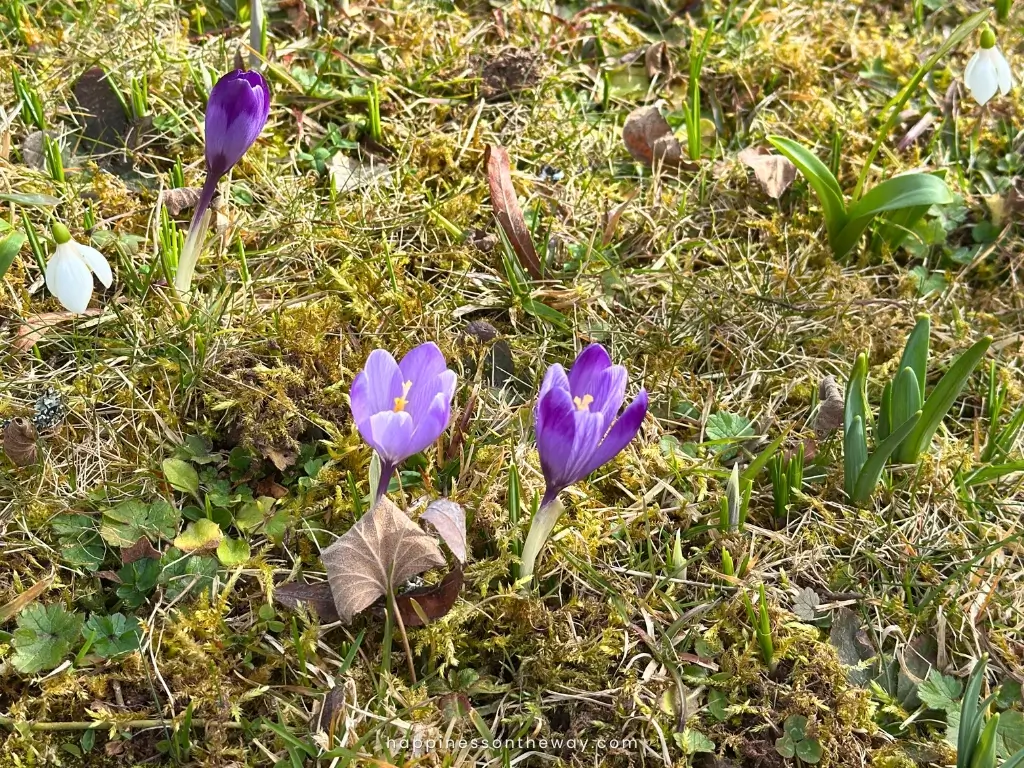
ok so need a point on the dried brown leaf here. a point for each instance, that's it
(282, 458)
(507, 211)
(267, 486)
(178, 200)
(20, 442)
(449, 519)
(658, 62)
(433, 601)
(318, 596)
(383, 550)
(773, 172)
(830, 415)
(139, 550)
(11, 609)
(34, 328)
(649, 138)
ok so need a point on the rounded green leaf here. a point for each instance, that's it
(201, 536)
(9, 248)
(785, 746)
(809, 751)
(796, 726)
(181, 475)
(233, 552)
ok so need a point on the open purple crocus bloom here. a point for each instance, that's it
(401, 408)
(236, 112)
(579, 428)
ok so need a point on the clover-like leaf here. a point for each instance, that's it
(113, 635)
(796, 726)
(450, 521)
(785, 746)
(381, 551)
(185, 574)
(138, 580)
(201, 536)
(129, 521)
(44, 637)
(809, 751)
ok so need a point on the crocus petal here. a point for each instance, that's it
(555, 377)
(590, 427)
(622, 432)
(980, 76)
(1003, 75)
(430, 424)
(97, 263)
(69, 279)
(608, 391)
(374, 389)
(588, 366)
(389, 434)
(422, 363)
(556, 430)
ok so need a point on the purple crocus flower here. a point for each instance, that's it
(579, 428)
(401, 408)
(236, 112)
(578, 423)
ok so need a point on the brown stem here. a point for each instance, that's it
(393, 604)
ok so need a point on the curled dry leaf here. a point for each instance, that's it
(507, 211)
(657, 61)
(20, 441)
(649, 138)
(773, 172)
(433, 601)
(382, 551)
(316, 596)
(184, 199)
(10, 610)
(830, 415)
(611, 221)
(450, 521)
(34, 328)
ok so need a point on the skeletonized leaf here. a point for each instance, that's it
(382, 550)
(649, 138)
(507, 211)
(449, 519)
(773, 172)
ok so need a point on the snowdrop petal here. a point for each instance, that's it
(97, 263)
(980, 77)
(69, 279)
(1003, 75)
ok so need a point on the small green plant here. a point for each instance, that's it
(691, 109)
(905, 395)
(998, 442)
(10, 246)
(733, 512)
(903, 199)
(795, 744)
(31, 104)
(862, 471)
(787, 476)
(762, 627)
(977, 735)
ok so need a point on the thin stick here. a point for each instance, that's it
(100, 725)
(393, 605)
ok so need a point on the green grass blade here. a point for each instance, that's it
(871, 472)
(966, 739)
(855, 455)
(885, 413)
(985, 754)
(906, 396)
(824, 184)
(1016, 761)
(994, 472)
(942, 398)
(754, 468)
(915, 353)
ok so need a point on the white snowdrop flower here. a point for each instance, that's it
(988, 71)
(69, 271)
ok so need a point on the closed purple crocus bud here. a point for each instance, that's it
(401, 408)
(579, 429)
(236, 112)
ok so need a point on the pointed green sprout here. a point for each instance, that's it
(904, 198)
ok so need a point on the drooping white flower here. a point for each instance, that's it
(69, 271)
(988, 71)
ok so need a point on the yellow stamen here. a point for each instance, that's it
(401, 402)
(583, 403)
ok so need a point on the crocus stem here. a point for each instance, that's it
(196, 234)
(255, 32)
(386, 471)
(540, 529)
